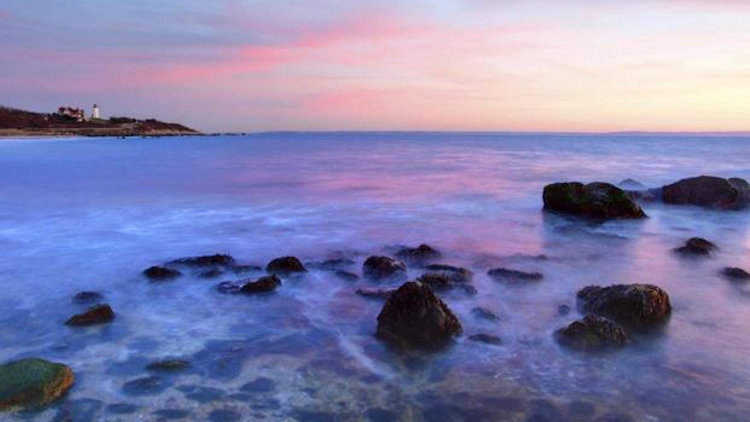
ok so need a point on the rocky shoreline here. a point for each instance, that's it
(416, 314)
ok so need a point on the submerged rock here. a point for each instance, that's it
(484, 313)
(98, 314)
(169, 365)
(85, 298)
(514, 276)
(596, 200)
(212, 273)
(418, 256)
(345, 275)
(455, 274)
(440, 282)
(285, 266)
(145, 386)
(33, 382)
(592, 333)
(375, 293)
(486, 338)
(708, 191)
(696, 246)
(382, 267)
(332, 264)
(414, 317)
(632, 305)
(239, 269)
(217, 260)
(736, 274)
(157, 273)
(265, 284)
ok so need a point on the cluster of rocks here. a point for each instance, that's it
(603, 201)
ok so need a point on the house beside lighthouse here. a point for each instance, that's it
(95, 112)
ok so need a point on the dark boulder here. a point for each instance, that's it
(486, 338)
(414, 317)
(380, 294)
(332, 264)
(735, 274)
(285, 266)
(265, 284)
(592, 333)
(632, 305)
(696, 246)
(157, 273)
(86, 298)
(169, 365)
(98, 314)
(418, 256)
(514, 276)
(596, 200)
(708, 191)
(455, 274)
(205, 261)
(378, 268)
(33, 382)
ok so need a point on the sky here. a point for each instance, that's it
(515, 65)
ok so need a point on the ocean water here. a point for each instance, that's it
(91, 214)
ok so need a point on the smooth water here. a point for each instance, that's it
(91, 214)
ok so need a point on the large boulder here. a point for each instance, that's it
(378, 268)
(596, 200)
(285, 266)
(98, 314)
(414, 317)
(33, 382)
(592, 333)
(632, 305)
(418, 256)
(158, 273)
(708, 191)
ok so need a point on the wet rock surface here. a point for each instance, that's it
(600, 201)
(455, 274)
(592, 333)
(632, 305)
(696, 246)
(285, 266)
(735, 274)
(414, 317)
(708, 191)
(157, 273)
(33, 382)
(98, 314)
(377, 268)
(510, 276)
(265, 284)
(218, 260)
(420, 255)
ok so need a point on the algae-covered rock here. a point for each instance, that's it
(33, 382)
(592, 333)
(285, 266)
(420, 255)
(377, 268)
(696, 246)
(708, 191)
(596, 200)
(632, 305)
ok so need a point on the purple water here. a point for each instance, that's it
(91, 214)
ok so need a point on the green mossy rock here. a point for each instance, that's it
(601, 201)
(32, 382)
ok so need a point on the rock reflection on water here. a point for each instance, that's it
(91, 221)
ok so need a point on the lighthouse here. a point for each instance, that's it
(95, 112)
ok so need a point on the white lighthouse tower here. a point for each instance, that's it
(95, 112)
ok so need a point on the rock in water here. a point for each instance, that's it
(32, 382)
(381, 294)
(414, 317)
(98, 314)
(632, 305)
(592, 333)
(596, 200)
(486, 338)
(285, 266)
(85, 298)
(169, 365)
(513, 276)
(265, 284)
(418, 256)
(737, 274)
(455, 274)
(378, 268)
(708, 191)
(696, 246)
(217, 260)
(157, 273)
